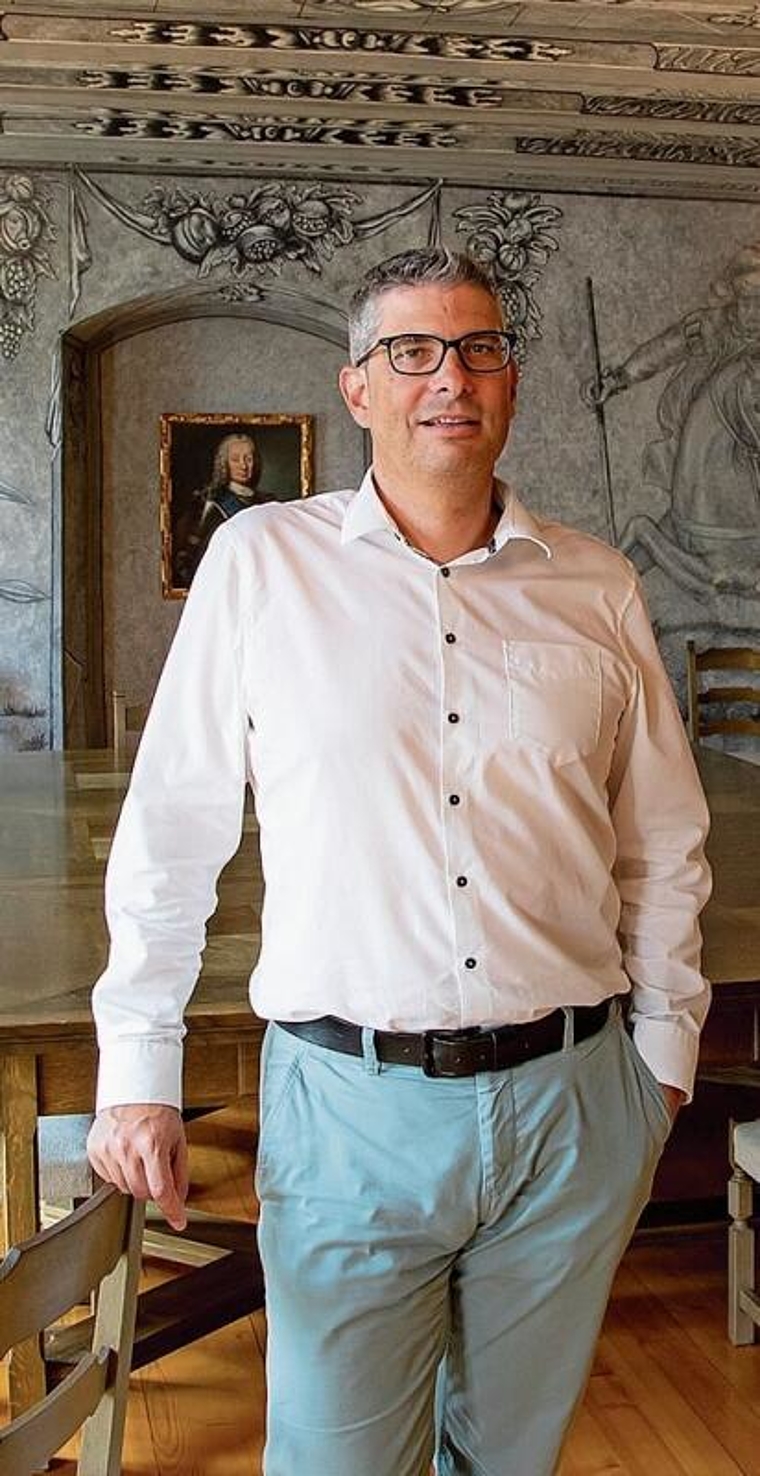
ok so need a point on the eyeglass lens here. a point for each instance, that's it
(418, 353)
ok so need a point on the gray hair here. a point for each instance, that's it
(220, 471)
(431, 265)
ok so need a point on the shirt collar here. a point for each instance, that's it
(366, 514)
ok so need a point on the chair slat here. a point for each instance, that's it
(750, 726)
(703, 718)
(37, 1288)
(26, 1444)
(730, 694)
(720, 658)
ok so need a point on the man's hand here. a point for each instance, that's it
(141, 1148)
(675, 1099)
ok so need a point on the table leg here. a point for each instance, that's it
(19, 1216)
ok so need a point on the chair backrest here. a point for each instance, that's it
(725, 705)
(128, 722)
(97, 1249)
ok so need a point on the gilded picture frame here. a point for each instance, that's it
(211, 467)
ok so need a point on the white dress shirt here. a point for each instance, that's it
(475, 793)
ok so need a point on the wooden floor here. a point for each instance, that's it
(668, 1396)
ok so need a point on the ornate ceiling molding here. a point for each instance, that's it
(568, 94)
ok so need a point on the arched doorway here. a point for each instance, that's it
(86, 455)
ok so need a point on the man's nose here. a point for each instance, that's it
(452, 369)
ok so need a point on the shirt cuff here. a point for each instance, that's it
(139, 1070)
(670, 1053)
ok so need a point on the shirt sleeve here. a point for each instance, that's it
(180, 823)
(661, 822)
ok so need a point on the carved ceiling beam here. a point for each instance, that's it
(503, 162)
(504, 114)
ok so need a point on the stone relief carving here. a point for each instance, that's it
(705, 464)
(15, 718)
(511, 235)
(257, 231)
(746, 18)
(715, 59)
(26, 232)
(439, 7)
(332, 39)
(268, 130)
(9, 493)
(80, 259)
(20, 592)
(360, 87)
(668, 148)
(693, 109)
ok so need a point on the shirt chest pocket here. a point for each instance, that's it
(554, 697)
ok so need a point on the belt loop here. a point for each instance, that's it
(371, 1063)
(569, 1037)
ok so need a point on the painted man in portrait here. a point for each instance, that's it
(232, 486)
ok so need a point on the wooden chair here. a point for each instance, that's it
(94, 1249)
(128, 722)
(712, 709)
(743, 1299)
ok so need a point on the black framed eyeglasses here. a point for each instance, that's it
(423, 353)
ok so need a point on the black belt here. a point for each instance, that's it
(455, 1052)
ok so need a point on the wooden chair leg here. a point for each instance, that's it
(741, 1257)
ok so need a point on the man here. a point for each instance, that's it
(474, 789)
(234, 478)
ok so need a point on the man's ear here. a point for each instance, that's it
(353, 386)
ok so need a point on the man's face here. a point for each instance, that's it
(450, 424)
(240, 459)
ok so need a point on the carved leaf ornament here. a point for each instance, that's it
(26, 231)
(510, 235)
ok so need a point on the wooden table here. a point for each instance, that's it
(57, 814)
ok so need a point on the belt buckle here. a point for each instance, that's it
(431, 1063)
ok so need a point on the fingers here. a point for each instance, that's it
(182, 1168)
(141, 1149)
(164, 1186)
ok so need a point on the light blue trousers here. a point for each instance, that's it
(438, 1254)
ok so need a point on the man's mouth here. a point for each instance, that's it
(450, 420)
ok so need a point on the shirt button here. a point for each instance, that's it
(453, 799)
(471, 963)
(461, 881)
(453, 717)
(445, 571)
(450, 638)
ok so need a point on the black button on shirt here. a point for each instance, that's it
(471, 963)
(450, 638)
(453, 799)
(453, 717)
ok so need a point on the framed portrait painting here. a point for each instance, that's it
(214, 466)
